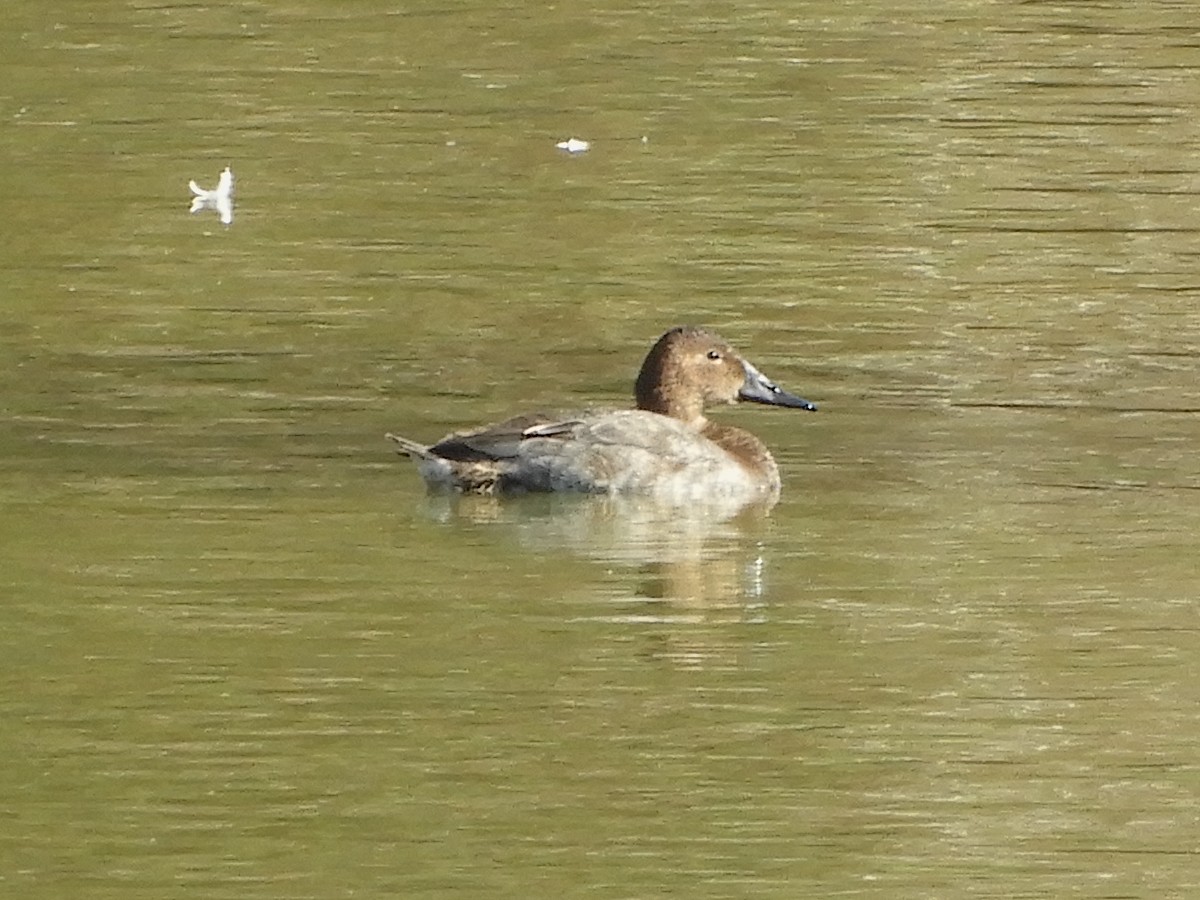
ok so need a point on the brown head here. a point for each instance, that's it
(690, 368)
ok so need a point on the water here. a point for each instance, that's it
(248, 656)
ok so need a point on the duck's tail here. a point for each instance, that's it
(411, 449)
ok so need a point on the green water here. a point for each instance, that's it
(246, 656)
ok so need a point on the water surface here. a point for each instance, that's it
(248, 656)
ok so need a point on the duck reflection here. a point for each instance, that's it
(704, 556)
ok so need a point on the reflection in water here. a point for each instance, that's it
(702, 554)
(677, 579)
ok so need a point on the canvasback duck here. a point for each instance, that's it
(665, 447)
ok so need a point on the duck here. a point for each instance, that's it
(665, 447)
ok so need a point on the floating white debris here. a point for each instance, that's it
(573, 145)
(219, 198)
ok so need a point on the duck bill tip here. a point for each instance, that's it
(760, 389)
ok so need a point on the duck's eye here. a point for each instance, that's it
(714, 354)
